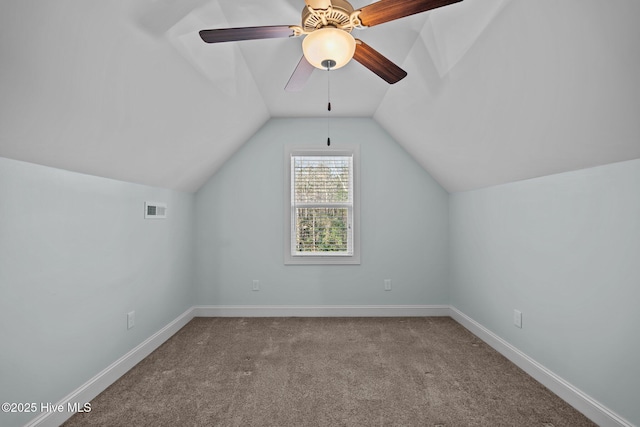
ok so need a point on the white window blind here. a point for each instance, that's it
(322, 196)
(322, 205)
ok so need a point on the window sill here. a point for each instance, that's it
(322, 260)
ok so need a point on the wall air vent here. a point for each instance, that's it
(155, 210)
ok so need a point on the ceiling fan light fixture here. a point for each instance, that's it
(327, 45)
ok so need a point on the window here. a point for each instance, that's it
(322, 209)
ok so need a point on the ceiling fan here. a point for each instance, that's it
(328, 43)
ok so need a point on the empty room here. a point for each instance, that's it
(320, 212)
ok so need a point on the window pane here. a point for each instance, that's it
(322, 207)
(322, 230)
(322, 179)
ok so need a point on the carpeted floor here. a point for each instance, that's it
(327, 372)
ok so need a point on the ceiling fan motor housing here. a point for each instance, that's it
(338, 15)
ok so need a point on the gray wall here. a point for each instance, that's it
(76, 255)
(404, 215)
(565, 250)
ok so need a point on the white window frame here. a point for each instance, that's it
(289, 234)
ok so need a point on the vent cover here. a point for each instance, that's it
(155, 210)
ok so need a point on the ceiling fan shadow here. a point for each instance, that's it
(156, 17)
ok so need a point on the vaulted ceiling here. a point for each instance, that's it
(497, 90)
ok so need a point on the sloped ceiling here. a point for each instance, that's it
(497, 91)
(549, 86)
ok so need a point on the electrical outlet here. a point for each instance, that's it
(387, 284)
(256, 285)
(131, 319)
(517, 318)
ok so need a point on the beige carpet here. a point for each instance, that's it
(327, 372)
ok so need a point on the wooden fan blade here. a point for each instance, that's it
(300, 76)
(318, 4)
(377, 63)
(246, 33)
(387, 10)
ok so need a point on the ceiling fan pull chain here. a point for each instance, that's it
(328, 106)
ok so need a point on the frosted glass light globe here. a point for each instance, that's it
(329, 44)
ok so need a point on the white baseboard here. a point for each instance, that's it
(595, 411)
(321, 311)
(591, 408)
(99, 383)
(109, 375)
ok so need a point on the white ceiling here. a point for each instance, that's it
(497, 90)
